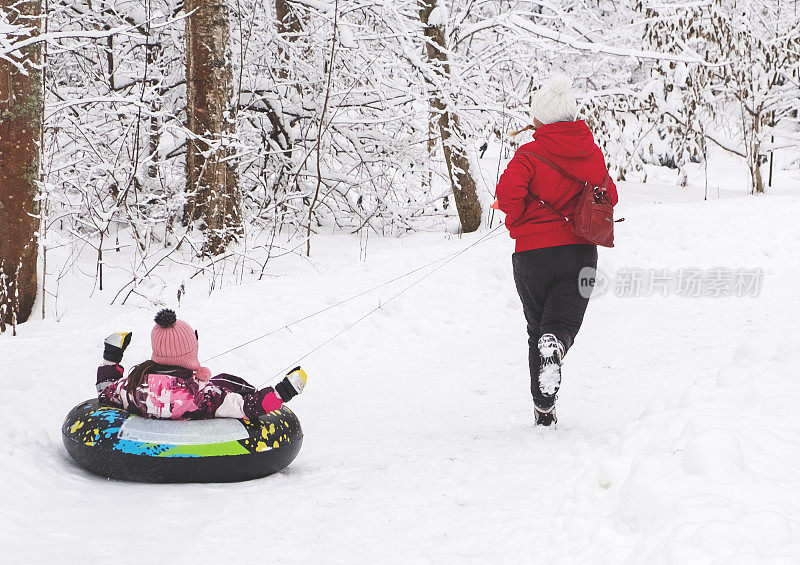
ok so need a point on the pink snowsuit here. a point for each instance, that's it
(174, 393)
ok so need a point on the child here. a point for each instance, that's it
(173, 385)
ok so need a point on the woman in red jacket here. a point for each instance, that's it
(549, 256)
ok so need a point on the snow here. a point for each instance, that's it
(678, 417)
(550, 376)
(346, 37)
(438, 16)
(549, 379)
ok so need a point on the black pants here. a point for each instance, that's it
(547, 283)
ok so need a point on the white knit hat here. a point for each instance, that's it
(555, 102)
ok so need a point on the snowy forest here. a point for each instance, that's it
(399, 281)
(221, 133)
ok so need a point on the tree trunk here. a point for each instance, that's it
(756, 179)
(20, 152)
(455, 151)
(211, 175)
(289, 26)
(154, 51)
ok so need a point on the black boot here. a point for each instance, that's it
(545, 417)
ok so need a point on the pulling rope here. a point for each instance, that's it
(447, 259)
(318, 312)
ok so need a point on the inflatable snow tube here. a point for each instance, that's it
(114, 443)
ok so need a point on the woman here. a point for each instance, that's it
(549, 256)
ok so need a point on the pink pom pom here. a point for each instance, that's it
(202, 374)
(271, 402)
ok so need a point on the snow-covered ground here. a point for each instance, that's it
(677, 440)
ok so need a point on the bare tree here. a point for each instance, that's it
(211, 175)
(289, 27)
(455, 152)
(20, 154)
(760, 44)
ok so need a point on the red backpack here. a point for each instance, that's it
(594, 213)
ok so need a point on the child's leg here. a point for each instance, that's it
(292, 384)
(247, 402)
(233, 383)
(248, 405)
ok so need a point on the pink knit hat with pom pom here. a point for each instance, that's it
(175, 343)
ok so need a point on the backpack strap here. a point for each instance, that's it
(551, 208)
(599, 191)
(556, 167)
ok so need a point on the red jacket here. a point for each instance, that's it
(570, 145)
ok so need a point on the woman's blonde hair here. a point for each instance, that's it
(523, 130)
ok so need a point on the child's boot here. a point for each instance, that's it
(292, 384)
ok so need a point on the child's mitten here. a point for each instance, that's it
(292, 384)
(115, 345)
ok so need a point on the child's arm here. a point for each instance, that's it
(107, 374)
(248, 406)
(113, 348)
